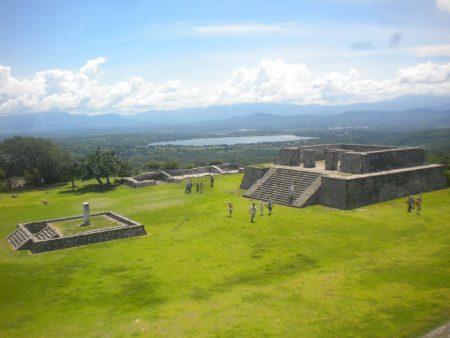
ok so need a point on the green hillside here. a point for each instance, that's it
(375, 271)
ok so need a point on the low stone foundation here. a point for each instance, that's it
(35, 244)
(175, 175)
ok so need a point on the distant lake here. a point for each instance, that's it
(212, 141)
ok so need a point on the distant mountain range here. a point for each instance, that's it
(412, 111)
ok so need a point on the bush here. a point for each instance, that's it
(172, 164)
(152, 165)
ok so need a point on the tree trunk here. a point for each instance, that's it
(107, 180)
(73, 185)
(99, 180)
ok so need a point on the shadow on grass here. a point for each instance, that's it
(263, 275)
(90, 188)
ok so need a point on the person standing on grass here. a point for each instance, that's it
(186, 187)
(211, 179)
(201, 186)
(410, 202)
(270, 206)
(418, 204)
(197, 186)
(261, 208)
(230, 209)
(252, 212)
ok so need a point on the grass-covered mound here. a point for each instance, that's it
(76, 226)
(375, 271)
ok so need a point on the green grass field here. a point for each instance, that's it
(375, 271)
(75, 226)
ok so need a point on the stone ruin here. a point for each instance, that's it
(41, 236)
(177, 175)
(343, 176)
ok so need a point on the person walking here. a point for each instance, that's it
(418, 204)
(230, 209)
(211, 179)
(261, 208)
(270, 206)
(252, 212)
(410, 202)
(186, 187)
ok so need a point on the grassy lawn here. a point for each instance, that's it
(74, 226)
(375, 271)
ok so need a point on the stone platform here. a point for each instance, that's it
(41, 236)
(343, 176)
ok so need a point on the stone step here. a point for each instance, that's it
(47, 233)
(18, 238)
(278, 184)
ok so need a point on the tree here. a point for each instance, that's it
(38, 160)
(73, 172)
(152, 165)
(171, 164)
(103, 163)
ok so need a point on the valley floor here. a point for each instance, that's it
(375, 271)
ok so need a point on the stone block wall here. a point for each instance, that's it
(351, 162)
(288, 157)
(87, 238)
(392, 159)
(251, 175)
(295, 156)
(355, 191)
(381, 160)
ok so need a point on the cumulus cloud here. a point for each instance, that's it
(269, 81)
(443, 4)
(81, 91)
(277, 81)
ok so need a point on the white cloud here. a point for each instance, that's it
(243, 29)
(443, 4)
(277, 81)
(81, 91)
(269, 81)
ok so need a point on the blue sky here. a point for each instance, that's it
(182, 49)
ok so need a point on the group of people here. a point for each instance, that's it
(253, 210)
(198, 185)
(188, 186)
(415, 203)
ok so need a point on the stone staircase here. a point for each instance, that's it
(19, 238)
(276, 182)
(47, 233)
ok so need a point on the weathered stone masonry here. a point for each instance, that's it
(28, 235)
(353, 175)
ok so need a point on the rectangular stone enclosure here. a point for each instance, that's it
(41, 236)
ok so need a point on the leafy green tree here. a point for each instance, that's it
(171, 164)
(103, 164)
(152, 165)
(38, 160)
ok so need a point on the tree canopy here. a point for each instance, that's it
(38, 160)
(103, 164)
